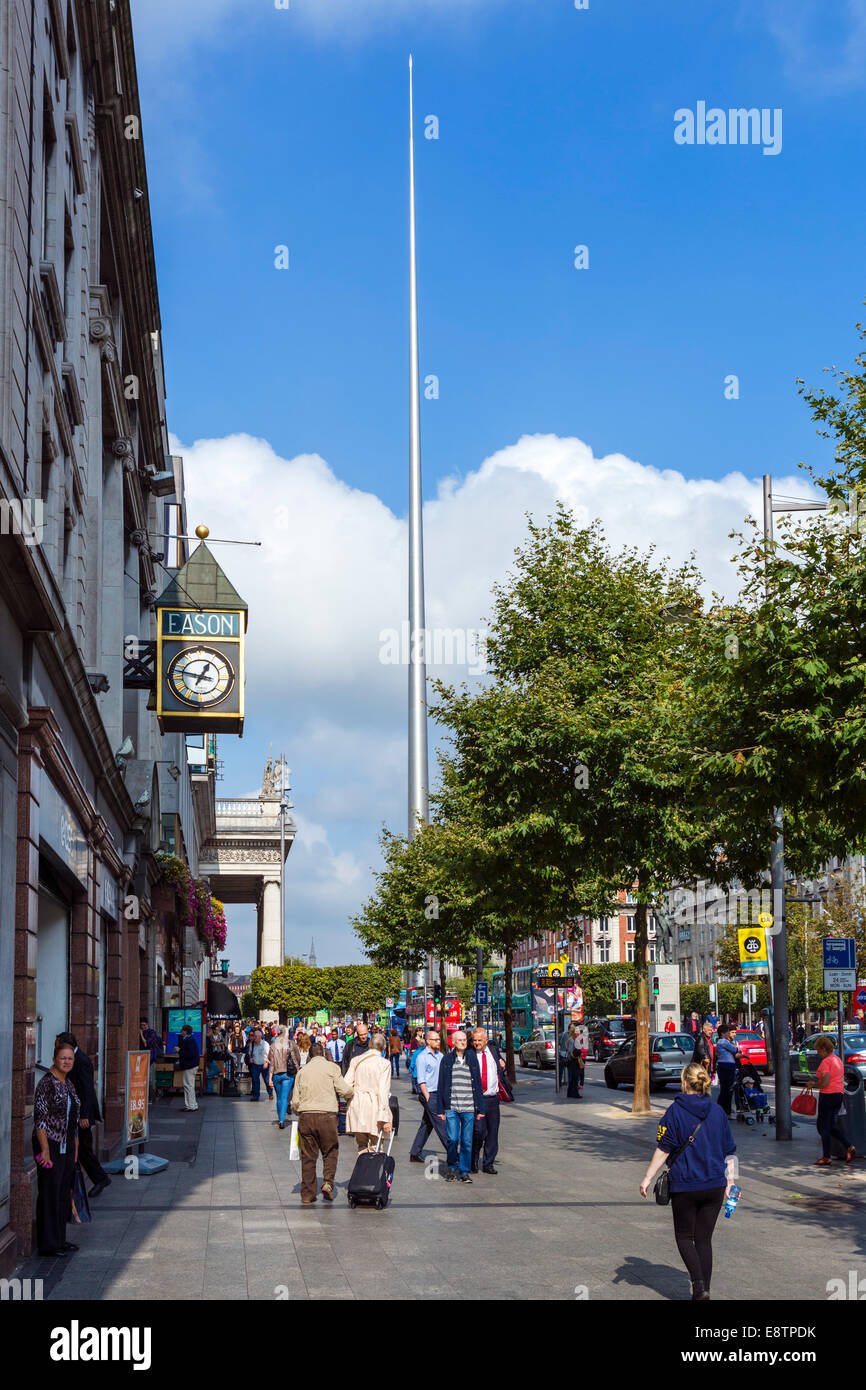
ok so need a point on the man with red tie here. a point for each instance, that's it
(492, 1071)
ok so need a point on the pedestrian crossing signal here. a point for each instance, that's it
(655, 984)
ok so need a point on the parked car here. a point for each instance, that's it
(752, 1046)
(669, 1053)
(607, 1034)
(539, 1050)
(855, 1056)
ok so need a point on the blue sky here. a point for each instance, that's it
(265, 127)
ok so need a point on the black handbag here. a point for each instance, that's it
(662, 1187)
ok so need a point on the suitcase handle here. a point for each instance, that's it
(390, 1140)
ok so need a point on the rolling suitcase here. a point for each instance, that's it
(395, 1114)
(370, 1183)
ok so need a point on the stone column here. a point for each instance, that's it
(271, 939)
(272, 929)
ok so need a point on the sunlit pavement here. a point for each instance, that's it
(563, 1219)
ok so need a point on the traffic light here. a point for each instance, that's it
(655, 984)
(437, 994)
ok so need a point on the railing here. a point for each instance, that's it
(241, 807)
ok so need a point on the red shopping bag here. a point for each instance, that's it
(805, 1104)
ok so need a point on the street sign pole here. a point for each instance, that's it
(556, 1037)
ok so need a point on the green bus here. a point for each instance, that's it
(531, 1005)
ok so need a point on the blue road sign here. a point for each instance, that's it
(838, 952)
(482, 994)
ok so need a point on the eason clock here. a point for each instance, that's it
(200, 665)
(201, 676)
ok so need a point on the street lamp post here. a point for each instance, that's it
(285, 807)
(778, 953)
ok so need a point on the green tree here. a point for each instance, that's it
(423, 904)
(599, 988)
(248, 1005)
(577, 762)
(293, 990)
(361, 989)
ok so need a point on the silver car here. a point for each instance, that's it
(669, 1053)
(539, 1050)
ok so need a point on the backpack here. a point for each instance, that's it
(413, 1062)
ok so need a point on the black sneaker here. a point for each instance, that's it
(464, 1177)
(450, 1175)
(413, 1159)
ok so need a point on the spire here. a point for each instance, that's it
(312, 956)
(418, 809)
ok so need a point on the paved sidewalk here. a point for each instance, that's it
(563, 1215)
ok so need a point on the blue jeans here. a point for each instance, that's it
(259, 1072)
(283, 1084)
(395, 1064)
(459, 1126)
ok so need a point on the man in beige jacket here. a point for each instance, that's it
(315, 1101)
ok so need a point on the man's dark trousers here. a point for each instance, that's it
(490, 1138)
(430, 1121)
(727, 1076)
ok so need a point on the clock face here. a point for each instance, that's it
(200, 676)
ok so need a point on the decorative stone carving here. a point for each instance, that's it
(240, 856)
(122, 448)
(100, 327)
(102, 332)
(268, 787)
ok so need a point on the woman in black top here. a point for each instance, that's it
(55, 1145)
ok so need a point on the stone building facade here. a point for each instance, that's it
(89, 791)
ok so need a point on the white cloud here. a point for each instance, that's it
(824, 47)
(163, 26)
(331, 574)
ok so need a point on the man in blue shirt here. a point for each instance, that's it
(427, 1075)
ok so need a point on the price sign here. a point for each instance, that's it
(840, 973)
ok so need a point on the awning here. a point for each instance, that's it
(222, 1001)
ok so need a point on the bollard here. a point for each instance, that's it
(853, 1122)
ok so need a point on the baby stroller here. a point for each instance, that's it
(750, 1100)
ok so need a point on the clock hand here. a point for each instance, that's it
(202, 673)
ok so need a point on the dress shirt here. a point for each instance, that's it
(427, 1069)
(489, 1072)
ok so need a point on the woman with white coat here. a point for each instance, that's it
(369, 1111)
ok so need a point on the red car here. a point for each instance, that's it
(752, 1046)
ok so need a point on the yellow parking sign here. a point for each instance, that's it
(752, 942)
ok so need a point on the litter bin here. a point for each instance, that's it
(853, 1122)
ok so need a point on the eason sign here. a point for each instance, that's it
(752, 942)
(840, 964)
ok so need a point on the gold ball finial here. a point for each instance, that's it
(202, 532)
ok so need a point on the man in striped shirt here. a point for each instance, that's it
(462, 1101)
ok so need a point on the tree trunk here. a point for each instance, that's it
(443, 1022)
(509, 1022)
(641, 1101)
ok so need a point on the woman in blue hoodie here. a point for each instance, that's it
(699, 1136)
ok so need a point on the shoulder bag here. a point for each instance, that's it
(662, 1187)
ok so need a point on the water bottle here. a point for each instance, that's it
(731, 1201)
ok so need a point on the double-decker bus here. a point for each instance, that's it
(531, 1005)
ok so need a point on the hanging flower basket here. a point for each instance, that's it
(193, 902)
